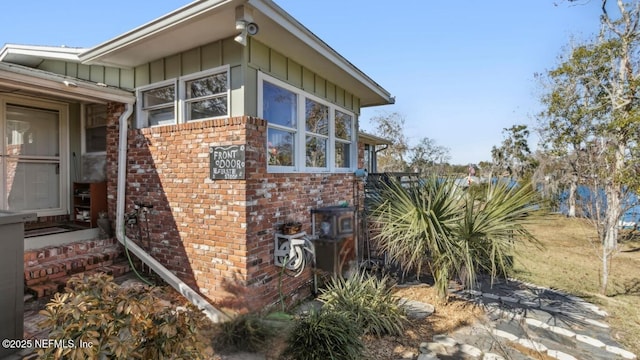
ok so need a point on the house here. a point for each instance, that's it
(224, 119)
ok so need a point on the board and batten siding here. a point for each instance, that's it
(262, 58)
(223, 52)
(243, 73)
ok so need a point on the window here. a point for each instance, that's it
(304, 133)
(206, 97)
(344, 136)
(280, 106)
(203, 95)
(158, 105)
(317, 123)
(95, 128)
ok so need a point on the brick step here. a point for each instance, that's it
(54, 254)
(67, 266)
(114, 266)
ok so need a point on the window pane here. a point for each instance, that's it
(317, 116)
(33, 132)
(343, 125)
(207, 108)
(95, 133)
(159, 96)
(343, 155)
(279, 106)
(316, 152)
(32, 186)
(161, 117)
(96, 115)
(96, 139)
(210, 85)
(281, 147)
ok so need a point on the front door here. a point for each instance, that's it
(31, 157)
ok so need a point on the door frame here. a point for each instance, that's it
(63, 113)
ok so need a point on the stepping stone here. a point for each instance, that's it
(533, 345)
(492, 356)
(596, 323)
(508, 299)
(618, 351)
(491, 296)
(445, 340)
(417, 310)
(429, 356)
(433, 347)
(591, 341)
(504, 334)
(560, 355)
(470, 350)
(561, 331)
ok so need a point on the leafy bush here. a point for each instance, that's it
(250, 331)
(120, 323)
(367, 301)
(324, 335)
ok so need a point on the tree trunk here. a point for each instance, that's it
(613, 192)
(573, 189)
(605, 271)
(610, 232)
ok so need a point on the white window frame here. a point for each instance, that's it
(179, 106)
(142, 116)
(352, 142)
(301, 133)
(83, 132)
(63, 158)
(182, 87)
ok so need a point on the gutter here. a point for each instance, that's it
(196, 299)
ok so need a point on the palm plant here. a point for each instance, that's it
(455, 233)
(367, 301)
(491, 223)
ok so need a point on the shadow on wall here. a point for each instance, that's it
(150, 220)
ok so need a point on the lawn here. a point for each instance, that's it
(569, 260)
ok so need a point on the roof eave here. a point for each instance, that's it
(189, 11)
(28, 79)
(28, 54)
(277, 14)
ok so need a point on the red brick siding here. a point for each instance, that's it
(218, 235)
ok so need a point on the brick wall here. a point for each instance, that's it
(217, 235)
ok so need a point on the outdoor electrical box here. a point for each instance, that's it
(333, 229)
(12, 279)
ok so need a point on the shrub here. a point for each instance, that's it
(250, 331)
(457, 234)
(120, 323)
(324, 335)
(367, 301)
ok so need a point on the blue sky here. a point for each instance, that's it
(461, 71)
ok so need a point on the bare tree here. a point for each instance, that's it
(391, 126)
(427, 156)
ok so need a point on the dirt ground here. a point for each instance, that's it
(448, 316)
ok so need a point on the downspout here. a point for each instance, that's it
(211, 312)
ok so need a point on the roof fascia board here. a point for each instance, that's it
(376, 140)
(277, 14)
(42, 52)
(149, 29)
(53, 84)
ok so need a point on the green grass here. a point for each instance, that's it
(570, 261)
